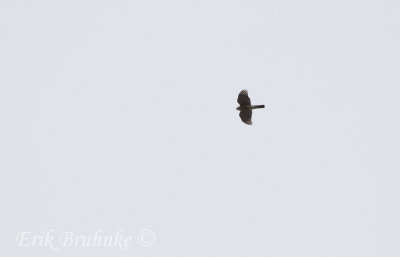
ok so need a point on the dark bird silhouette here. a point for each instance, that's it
(245, 107)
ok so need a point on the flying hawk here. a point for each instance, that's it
(245, 107)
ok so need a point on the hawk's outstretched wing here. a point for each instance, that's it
(243, 98)
(246, 116)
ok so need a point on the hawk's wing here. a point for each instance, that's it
(243, 98)
(246, 116)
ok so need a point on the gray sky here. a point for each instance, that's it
(121, 115)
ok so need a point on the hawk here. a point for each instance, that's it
(245, 107)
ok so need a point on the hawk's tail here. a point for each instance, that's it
(257, 106)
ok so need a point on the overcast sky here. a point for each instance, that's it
(121, 115)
